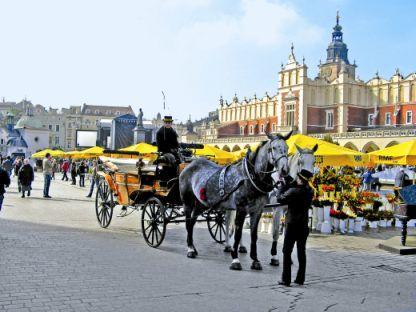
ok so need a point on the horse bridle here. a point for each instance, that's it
(246, 161)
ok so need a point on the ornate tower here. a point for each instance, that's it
(336, 56)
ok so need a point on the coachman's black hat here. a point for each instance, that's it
(305, 175)
(167, 119)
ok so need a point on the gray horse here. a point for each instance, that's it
(243, 186)
(302, 159)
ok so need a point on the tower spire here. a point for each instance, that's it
(338, 18)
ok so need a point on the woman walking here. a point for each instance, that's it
(26, 177)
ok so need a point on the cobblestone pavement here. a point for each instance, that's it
(54, 257)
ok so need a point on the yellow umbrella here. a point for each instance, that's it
(54, 153)
(400, 154)
(215, 154)
(142, 148)
(91, 152)
(328, 154)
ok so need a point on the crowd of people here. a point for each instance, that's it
(23, 171)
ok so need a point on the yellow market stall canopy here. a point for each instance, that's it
(328, 154)
(54, 153)
(400, 154)
(142, 148)
(215, 154)
(91, 152)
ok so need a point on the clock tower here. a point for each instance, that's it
(337, 57)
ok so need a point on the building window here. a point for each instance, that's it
(2, 141)
(88, 111)
(408, 117)
(262, 128)
(56, 140)
(108, 112)
(117, 113)
(388, 119)
(329, 124)
(50, 127)
(241, 130)
(251, 130)
(57, 128)
(97, 112)
(370, 120)
(290, 114)
(273, 127)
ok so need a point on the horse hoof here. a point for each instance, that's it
(236, 266)
(242, 249)
(228, 249)
(274, 262)
(191, 254)
(256, 266)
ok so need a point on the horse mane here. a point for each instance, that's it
(253, 156)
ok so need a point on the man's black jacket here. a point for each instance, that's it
(4, 180)
(298, 198)
(167, 140)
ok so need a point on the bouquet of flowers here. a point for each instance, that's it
(385, 214)
(328, 188)
(334, 213)
(390, 198)
(369, 197)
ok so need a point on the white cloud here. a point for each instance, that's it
(260, 23)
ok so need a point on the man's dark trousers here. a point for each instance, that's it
(298, 234)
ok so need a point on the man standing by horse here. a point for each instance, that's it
(298, 197)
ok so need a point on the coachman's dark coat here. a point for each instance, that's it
(167, 140)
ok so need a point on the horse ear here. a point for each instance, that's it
(248, 152)
(287, 136)
(269, 135)
(315, 148)
(299, 148)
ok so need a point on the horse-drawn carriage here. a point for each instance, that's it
(152, 187)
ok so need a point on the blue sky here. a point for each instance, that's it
(125, 52)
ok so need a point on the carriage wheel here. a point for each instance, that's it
(153, 222)
(216, 225)
(104, 204)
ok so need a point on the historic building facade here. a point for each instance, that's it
(336, 101)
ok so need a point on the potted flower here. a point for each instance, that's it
(266, 222)
(366, 213)
(335, 219)
(358, 223)
(326, 225)
(373, 219)
(317, 214)
(385, 218)
(342, 221)
(390, 199)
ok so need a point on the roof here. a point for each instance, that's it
(103, 110)
(28, 122)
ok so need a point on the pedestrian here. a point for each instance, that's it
(47, 174)
(367, 180)
(26, 177)
(65, 168)
(399, 181)
(74, 173)
(82, 170)
(298, 197)
(94, 177)
(54, 167)
(8, 165)
(4, 182)
(17, 165)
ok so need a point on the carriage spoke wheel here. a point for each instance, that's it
(216, 225)
(153, 222)
(104, 204)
